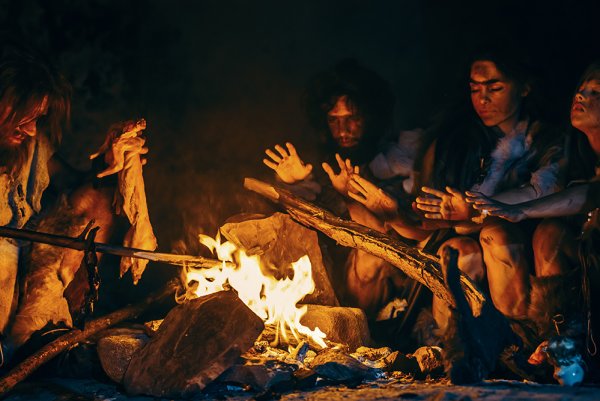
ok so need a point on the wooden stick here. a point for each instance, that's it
(79, 244)
(416, 264)
(52, 349)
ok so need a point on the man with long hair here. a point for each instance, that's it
(34, 112)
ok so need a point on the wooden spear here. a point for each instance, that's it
(73, 337)
(416, 264)
(80, 244)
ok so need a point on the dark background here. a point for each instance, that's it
(219, 81)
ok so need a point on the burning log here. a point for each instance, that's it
(418, 265)
(280, 241)
(73, 337)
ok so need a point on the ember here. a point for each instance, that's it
(273, 300)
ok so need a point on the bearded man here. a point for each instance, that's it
(34, 110)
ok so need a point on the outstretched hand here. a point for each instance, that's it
(440, 205)
(122, 147)
(490, 207)
(287, 164)
(372, 197)
(341, 180)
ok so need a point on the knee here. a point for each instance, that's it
(549, 233)
(470, 260)
(499, 233)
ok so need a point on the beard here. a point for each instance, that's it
(13, 157)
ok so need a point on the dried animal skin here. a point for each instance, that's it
(131, 199)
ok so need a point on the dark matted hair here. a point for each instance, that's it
(516, 65)
(365, 89)
(26, 78)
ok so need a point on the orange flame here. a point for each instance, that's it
(272, 300)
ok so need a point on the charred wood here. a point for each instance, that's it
(416, 264)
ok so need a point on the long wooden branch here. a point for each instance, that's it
(416, 264)
(73, 337)
(80, 244)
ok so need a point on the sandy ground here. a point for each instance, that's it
(385, 389)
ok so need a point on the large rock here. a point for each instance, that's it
(340, 367)
(116, 351)
(196, 342)
(342, 325)
(280, 241)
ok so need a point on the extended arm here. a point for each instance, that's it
(575, 200)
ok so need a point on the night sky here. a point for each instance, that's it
(219, 81)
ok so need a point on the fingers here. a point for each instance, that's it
(428, 208)
(434, 216)
(291, 149)
(357, 188)
(363, 182)
(349, 167)
(273, 156)
(270, 164)
(340, 162)
(435, 192)
(358, 197)
(328, 170)
(281, 151)
(475, 197)
(423, 200)
(309, 168)
(454, 192)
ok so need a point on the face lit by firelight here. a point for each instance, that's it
(346, 124)
(585, 108)
(496, 99)
(26, 127)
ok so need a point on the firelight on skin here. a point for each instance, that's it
(496, 99)
(585, 109)
(345, 123)
(27, 126)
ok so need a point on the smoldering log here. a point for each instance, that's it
(416, 264)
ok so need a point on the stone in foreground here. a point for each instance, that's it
(196, 342)
(342, 325)
(115, 353)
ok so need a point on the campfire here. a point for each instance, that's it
(260, 315)
(273, 300)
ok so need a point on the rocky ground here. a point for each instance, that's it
(383, 389)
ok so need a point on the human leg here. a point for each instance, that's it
(470, 262)
(507, 267)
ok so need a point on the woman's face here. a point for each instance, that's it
(495, 98)
(585, 109)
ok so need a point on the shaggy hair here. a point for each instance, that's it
(25, 80)
(367, 92)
